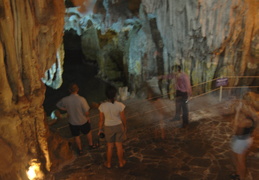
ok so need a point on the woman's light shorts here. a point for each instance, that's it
(239, 146)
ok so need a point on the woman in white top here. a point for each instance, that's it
(113, 121)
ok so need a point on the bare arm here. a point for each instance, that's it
(188, 85)
(243, 123)
(251, 112)
(123, 119)
(237, 116)
(87, 116)
(101, 122)
(242, 118)
(166, 76)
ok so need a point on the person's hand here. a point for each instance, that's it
(88, 119)
(100, 131)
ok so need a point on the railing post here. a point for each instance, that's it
(220, 93)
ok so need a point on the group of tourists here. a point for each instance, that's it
(112, 120)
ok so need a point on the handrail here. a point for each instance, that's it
(241, 87)
(205, 82)
(242, 76)
(193, 97)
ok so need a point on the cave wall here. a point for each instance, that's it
(133, 41)
(209, 38)
(30, 37)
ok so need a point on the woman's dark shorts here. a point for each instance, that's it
(76, 129)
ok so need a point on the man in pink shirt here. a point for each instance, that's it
(183, 92)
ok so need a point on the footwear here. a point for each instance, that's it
(234, 176)
(93, 147)
(80, 152)
(175, 119)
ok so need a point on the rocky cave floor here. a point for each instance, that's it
(158, 148)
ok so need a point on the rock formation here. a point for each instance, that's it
(131, 40)
(30, 38)
(208, 38)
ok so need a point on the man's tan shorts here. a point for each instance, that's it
(114, 133)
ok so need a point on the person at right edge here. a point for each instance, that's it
(113, 122)
(183, 92)
(245, 122)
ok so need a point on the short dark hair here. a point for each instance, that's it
(179, 68)
(73, 87)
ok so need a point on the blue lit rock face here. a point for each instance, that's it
(208, 38)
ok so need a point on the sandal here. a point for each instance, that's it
(80, 152)
(234, 176)
(93, 147)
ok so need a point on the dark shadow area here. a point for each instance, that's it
(76, 70)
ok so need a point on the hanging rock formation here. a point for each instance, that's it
(30, 37)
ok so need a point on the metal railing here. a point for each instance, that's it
(220, 88)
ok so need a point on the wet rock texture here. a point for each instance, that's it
(157, 148)
(31, 35)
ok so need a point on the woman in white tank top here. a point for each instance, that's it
(113, 122)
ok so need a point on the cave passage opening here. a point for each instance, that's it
(76, 69)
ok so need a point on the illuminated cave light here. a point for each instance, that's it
(31, 173)
(53, 115)
(34, 172)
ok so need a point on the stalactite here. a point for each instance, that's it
(5, 90)
(31, 33)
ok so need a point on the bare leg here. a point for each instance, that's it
(234, 159)
(241, 165)
(78, 142)
(90, 138)
(109, 154)
(120, 153)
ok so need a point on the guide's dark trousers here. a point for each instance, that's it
(181, 107)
